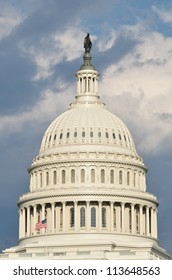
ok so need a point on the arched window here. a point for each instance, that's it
(102, 176)
(72, 176)
(75, 134)
(128, 178)
(82, 217)
(93, 217)
(67, 135)
(47, 178)
(61, 136)
(120, 177)
(113, 134)
(54, 177)
(72, 217)
(55, 137)
(107, 135)
(92, 175)
(112, 176)
(103, 217)
(91, 134)
(99, 134)
(120, 137)
(82, 175)
(63, 176)
(83, 134)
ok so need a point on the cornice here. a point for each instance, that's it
(82, 162)
(117, 194)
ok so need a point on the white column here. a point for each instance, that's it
(100, 216)
(20, 223)
(64, 216)
(34, 218)
(123, 216)
(24, 223)
(111, 217)
(78, 84)
(141, 219)
(28, 221)
(52, 217)
(156, 234)
(147, 220)
(75, 216)
(88, 216)
(43, 216)
(152, 221)
(133, 220)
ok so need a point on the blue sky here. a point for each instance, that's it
(41, 48)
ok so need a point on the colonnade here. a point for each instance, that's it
(68, 176)
(87, 83)
(107, 217)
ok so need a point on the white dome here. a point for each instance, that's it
(87, 125)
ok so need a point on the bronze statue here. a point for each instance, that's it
(87, 43)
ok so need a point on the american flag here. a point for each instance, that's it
(42, 224)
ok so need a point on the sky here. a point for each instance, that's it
(41, 48)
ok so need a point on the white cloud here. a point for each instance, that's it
(165, 15)
(48, 107)
(139, 88)
(8, 21)
(55, 49)
(107, 41)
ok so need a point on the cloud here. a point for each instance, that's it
(56, 48)
(138, 88)
(50, 105)
(9, 18)
(164, 14)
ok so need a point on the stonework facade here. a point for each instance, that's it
(89, 184)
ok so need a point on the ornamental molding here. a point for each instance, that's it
(147, 198)
(87, 163)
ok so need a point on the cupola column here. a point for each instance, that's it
(147, 220)
(24, 222)
(28, 221)
(20, 222)
(156, 234)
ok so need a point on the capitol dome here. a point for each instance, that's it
(84, 125)
(87, 197)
